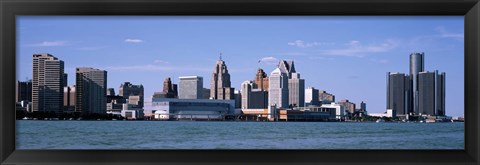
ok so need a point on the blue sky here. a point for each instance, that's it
(346, 56)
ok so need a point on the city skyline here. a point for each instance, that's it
(318, 60)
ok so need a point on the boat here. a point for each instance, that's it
(25, 118)
(380, 121)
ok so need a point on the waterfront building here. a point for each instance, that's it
(420, 93)
(220, 85)
(339, 110)
(115, 104)
(311, 97)
(278, 89)
(431, 93)
(69, 99)
(190, 87)
(91, 90)
(325, 98)
(132, 92)
(24, 91)
(388, 113)
(194, 109)
(296, 90)
(205, 93)
(261, 80)
(130, 112)
(398, 93)
(47, 83)
(416, 66)
(349, 106)
(252, 98)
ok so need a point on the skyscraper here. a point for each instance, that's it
(416, 66)
(69, 98)
(47, 83)
(296, 86)
(169, 89)
(397, 93)
(190, 87)
(261, 80)
(24, 91)
(131, 91)
(90, 88)
(418, 93)
(220, 86)
(278, 88)
(431, 93)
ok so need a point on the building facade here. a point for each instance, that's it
(47, 83)
(24, 91)
(325, 98)
(190, 87)
(349, 106)
(193, 109)
(311, 97)
(261, 80)
(431, 93)
(220, 85)
(90, 88)
(296, 91)
(397, 93)
(69, 99)
(278, 89)
(130, 91)
(253, 98)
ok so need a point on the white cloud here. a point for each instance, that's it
(160, 62)
(357, 49)
(303, 44)
(133, 40)
(269, 60)
(445, 34)
(50, 43)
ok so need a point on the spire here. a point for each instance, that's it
(220, 57)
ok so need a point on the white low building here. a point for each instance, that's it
(339, 109)
(131, 113)
(389, 113)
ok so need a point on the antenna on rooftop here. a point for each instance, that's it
(220, 56)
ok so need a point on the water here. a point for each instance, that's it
(236, 135)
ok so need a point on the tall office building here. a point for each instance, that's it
(169, 89)
(278, 89)
(47, 83)
(311, 97)
(261, 80)
(69, 99)
(296, 91)
(24, 91)
(296, 86)
(431, 93)
(190, 87)
(131, 91)
(90, 88)
(220, 86)
(252, 98)
(418, 93)
(416, 66)
(65, 79)
(397, 93)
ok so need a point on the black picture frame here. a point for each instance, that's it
(9, 9)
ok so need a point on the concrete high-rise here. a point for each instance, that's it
(278, 89)
(416, 66)
(325, 98)
(190, 87)
(90, 88)
(349, 106)
(431, 93)
(220, 85)
(130, 91)
(47, 83)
